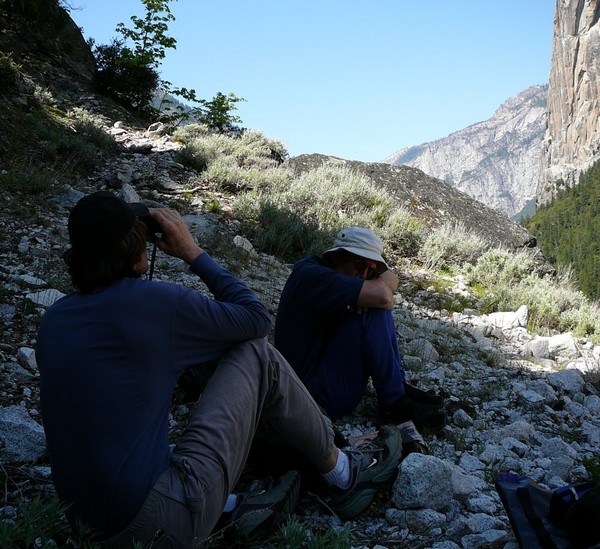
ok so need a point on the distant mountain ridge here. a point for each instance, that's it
(496, 161)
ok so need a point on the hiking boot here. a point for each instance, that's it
(260, 509)
(427, 398)
(371, 465)
(404, 409)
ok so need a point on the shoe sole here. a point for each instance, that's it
(255, 524)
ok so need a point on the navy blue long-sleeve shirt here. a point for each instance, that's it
(109, 361)
(313, 299)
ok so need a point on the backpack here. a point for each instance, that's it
(565, 518)
(582, 519)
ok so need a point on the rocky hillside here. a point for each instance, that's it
(496, 161)
(571, 142)
(516, 401)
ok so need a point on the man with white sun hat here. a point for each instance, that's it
(335, 327)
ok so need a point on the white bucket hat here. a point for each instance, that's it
(359, 241)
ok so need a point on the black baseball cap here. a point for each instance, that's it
(101, 220)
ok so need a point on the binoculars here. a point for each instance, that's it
(152, 226)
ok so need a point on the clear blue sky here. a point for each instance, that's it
(358, 79)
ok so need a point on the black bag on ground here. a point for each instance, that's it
(564, 518)
(582, 520)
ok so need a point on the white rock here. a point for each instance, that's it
(570, 381)
(245, 245)
(26, 357)
(45, 298)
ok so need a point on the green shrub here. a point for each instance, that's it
(451, 245)
(284, 233)
(547, 298)
(582, 322)
(295, 535)
(499, 266)
(9, 74)
(217, 113)
(592, 464)
(250, 151)
(188, 133)
(28, 179)
(69, 153)
(130, 76)
(297, 217)
(37, 524)
(124, 76)
(92, 128)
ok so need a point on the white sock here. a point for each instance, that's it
(340, 475)
(230, 503)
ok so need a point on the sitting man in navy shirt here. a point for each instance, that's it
(110, 356)
(335, 327)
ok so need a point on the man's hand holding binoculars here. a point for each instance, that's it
(176, 239)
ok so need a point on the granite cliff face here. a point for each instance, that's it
(572, 141)
(495, 161)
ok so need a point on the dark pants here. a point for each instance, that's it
(253, 381)
(363, 346)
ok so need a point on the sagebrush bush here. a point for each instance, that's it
(582, 322)
(70, 152)
(402, 233)
(43, 96)
(301, 216)
(331, 196)
(188, 133)
(547, 298)
(228, 176)
(452, 245)
(250, 151)
(273, 147)
(499, 266)
(92, 128)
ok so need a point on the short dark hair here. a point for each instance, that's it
(91, 268)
